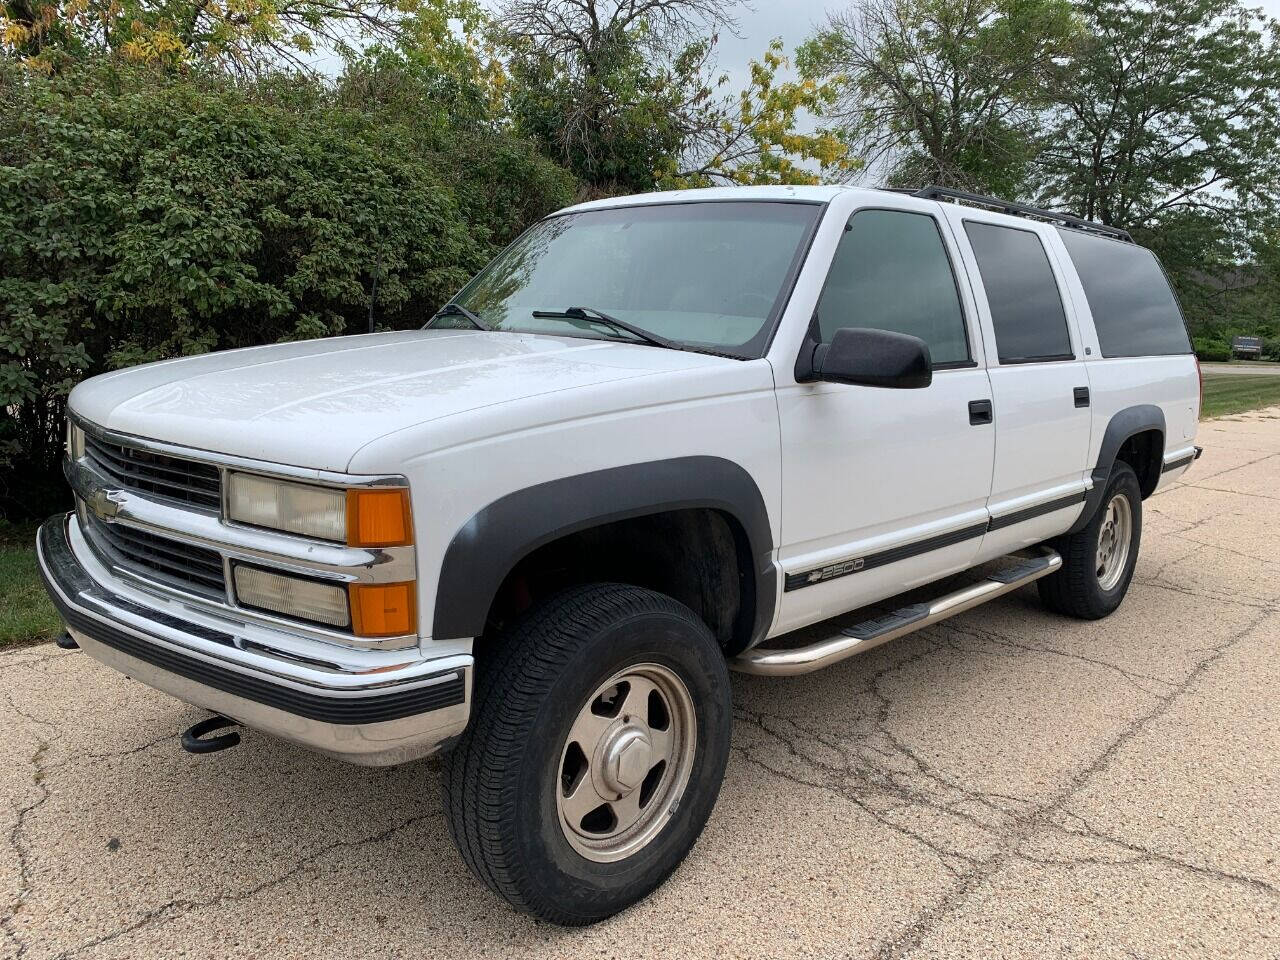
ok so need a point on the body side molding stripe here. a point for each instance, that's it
(1039, 510)
(851, 565)
(842, 568)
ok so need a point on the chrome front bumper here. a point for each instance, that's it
(365, 706)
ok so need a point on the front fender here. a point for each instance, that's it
(494, 540)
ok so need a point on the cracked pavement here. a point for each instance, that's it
(1005, 784)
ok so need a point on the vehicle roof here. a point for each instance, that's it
(815, 194)
(818, 194)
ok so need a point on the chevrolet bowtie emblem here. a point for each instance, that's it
(104, 504)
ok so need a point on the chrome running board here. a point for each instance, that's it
(871, 633)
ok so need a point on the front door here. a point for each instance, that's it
(884, 489)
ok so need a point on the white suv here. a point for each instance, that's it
(654, 437)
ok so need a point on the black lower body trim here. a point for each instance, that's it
(843, 568)
(1180, 462)
(336, 710)
(1039, 510)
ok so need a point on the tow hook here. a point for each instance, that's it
(66, 641)
(193, 738)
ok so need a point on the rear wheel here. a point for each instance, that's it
(1098, 561)
(595, 753)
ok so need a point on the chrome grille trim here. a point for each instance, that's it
(284, 551)
(186, 481)
(102, 494)
(227, 461)
(188, 567)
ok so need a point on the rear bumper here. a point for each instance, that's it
(368, 707)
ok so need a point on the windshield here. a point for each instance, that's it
(707, 275)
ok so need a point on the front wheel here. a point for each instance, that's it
(595, 753)
(1098, 561)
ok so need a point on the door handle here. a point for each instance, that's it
(979, 412)
(1081, 396)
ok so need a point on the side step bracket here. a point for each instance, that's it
(873, 632)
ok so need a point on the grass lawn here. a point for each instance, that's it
(26, 615)
(1227, 393)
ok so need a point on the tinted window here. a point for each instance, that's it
(891, 272)
(702, 273)
(1133, 308)
(1026, 309)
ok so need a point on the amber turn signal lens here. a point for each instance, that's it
(378, 518)
(382, 609)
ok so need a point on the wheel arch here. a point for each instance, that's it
(489, 546)
(1136, 435)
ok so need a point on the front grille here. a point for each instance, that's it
(187, 481)
(181, 565)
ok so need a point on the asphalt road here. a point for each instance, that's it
(1007, 784)
(1251, 368)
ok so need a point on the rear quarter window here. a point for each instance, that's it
(1133, 307)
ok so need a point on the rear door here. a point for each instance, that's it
(1039, 384)
(1141, 353)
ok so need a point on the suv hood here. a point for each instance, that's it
(315, 403)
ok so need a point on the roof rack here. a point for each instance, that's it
(1020, 210)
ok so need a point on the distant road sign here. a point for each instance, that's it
(1246, 347)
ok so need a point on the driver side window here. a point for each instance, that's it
(891, 272)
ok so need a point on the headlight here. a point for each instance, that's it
(374, 517)
(292, 507)
(359, 517)
(292, 596)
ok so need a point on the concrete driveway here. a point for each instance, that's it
(1008, 784)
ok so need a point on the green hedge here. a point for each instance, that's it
(145, 216)
(1212, 351)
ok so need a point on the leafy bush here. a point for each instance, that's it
(1212, 351)
(145, 216)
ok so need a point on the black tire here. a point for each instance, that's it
(1075, 589)
(500, 779)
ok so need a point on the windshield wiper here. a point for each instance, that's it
(584, 316)
(458, 310)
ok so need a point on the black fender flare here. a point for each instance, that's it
(1126, 423)
(494, 540)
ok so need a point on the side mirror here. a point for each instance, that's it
(874, 358)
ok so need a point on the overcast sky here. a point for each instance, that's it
(793, 21)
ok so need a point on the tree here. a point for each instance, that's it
(1167, 126)
(442, 59)
(752, 138)
(1168, 108)
(625, 93)
(943, 91)
(238, 36)
(606, 85)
